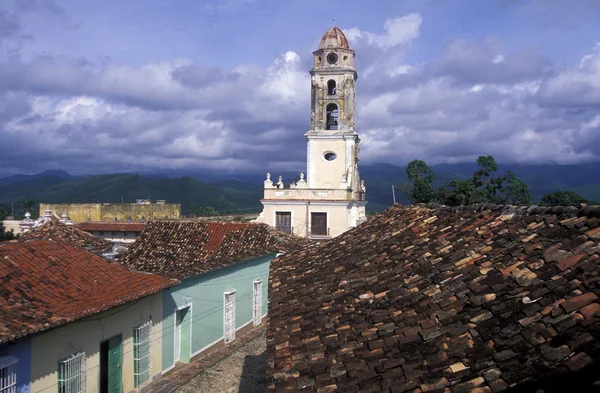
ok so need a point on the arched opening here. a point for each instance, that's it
(331, 87)
(332, 117)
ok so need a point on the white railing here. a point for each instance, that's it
(142, 351)
(71, 374)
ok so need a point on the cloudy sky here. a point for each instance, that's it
(104, 86)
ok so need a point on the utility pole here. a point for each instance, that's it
(394, 194)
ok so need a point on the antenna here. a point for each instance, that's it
(394, 194)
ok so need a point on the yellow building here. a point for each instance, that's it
(331, 199)
(74, 322)
(142, 210)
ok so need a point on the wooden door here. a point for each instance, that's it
(115, 361)
(283, 221)
(318, 224)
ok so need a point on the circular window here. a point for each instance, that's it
(332, 58)
(330, 156)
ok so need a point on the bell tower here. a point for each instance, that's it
(332, 139)
(331, 199)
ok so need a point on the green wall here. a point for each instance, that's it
(205, 295)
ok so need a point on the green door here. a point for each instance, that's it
(185, 335)
(115, 360)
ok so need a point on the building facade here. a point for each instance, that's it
(73, 322)
(197, 311)
(114, 232)
(331, 199)
(140, 211)
(223, 269)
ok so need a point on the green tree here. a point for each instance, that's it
(562, 198)
(514, 191)
(484, 180)
(486, 187)
(4, 235)
(418, 189)
(464, 192)
(205, 211)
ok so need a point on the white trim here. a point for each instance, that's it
(277, 202)
(256, 306)
(187, 305)
(225, 294)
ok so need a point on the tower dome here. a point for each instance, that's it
(334, 38)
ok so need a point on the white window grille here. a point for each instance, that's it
(8, 374)
(142, 354)
(71, 374)
(257, 302)
(229, 316)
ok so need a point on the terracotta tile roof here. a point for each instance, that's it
(453, 300)
(46, 283)
(69, 233)
(111, 226)
(181, 249)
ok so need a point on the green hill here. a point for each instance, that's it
(189, 192)
(244, 196)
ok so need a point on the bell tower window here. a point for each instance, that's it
(332, 117)
(332, 58)
(331, 87)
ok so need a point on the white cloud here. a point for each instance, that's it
(398, 31)
(575, 86)
(107, 117)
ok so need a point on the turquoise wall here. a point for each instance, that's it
(205, 295)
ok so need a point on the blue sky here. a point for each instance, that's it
(113, 86)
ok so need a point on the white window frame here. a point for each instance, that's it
(229, 325)
(73, 367)
(8, 374)
(143, 335)
(257, 302)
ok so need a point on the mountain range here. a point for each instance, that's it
(242, 193)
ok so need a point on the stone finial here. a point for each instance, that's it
(363, 188)
(268, 181)
(27, 215)
(280, 182)
(302, 182)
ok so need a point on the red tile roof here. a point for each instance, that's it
(111, 226)
(69, 233)
(181, 249)
(453, 300)
(47, 283)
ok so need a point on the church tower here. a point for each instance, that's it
(331, 199)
